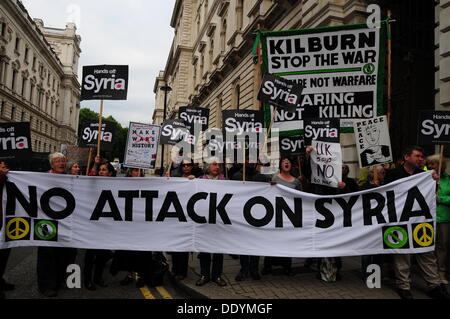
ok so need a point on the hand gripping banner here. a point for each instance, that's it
(156, 214)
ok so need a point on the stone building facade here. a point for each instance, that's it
(211, 65)
(38, 77)
(442, 57)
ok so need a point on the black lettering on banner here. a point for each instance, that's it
(129, 196)
(325, 212)
(213, 208)
(248, 211)
(58, 192)
(377, 211)
(106, 197)
(414, 195)
(296, 217)
(347, 209)
(149, 196)
(171, 199)
(392, 212)
(13, 194)
(191, 208)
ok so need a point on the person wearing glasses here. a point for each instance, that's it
(211, 265)
(52, 262)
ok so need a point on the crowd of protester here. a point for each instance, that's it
(140, 266)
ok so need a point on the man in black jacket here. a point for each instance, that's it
(4, 253)
(413, 157)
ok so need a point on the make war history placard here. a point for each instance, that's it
(15, 141)
(142, 146)
(104, 82)
(340, 68)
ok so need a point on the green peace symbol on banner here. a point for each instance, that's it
(392, 240)
(369, 69)
(45, 230)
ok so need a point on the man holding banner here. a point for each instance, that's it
(4, 253)
(413, 157)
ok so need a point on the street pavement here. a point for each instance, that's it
(21, 271)
(303, 285)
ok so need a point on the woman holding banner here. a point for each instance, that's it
(74, 168)
(180, 260)
(442, 217)
(284, 178)
(136, 263)
(52, 262)
(213, 172)
(96, 257)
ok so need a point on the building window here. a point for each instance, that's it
(14, 80)
(195, 75)
(202, 66)
(211, 53)
(223, 34)
(13, 114)
(240, 14)
(22, 117)
(27, 53)
(219, 112)
(47, 104)
(3, 29)
(34, 63)
(24, 85)
(17, 45)
(237, 95)
(31, 93)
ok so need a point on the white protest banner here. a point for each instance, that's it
(340, 68)
(373, 142)
(326, 164)
(142, 146)
(154, 214)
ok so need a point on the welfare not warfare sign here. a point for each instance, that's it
(104, 82)
(340, 68)
(180, 215)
